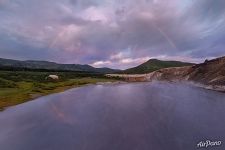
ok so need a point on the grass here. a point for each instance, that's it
(17, 87)
(153, 65)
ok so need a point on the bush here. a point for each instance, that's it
(7, 83)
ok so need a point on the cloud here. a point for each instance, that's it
(101, 63)
(114, 33)
(121, 60)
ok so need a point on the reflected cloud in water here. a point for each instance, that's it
(139, 116)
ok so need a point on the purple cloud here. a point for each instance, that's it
(112, 33)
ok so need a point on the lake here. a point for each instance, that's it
(134, 116)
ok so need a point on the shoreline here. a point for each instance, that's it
(177, 75)
(218, 88)
(65, 88)
(29, 96)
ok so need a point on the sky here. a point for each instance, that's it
(112, 33)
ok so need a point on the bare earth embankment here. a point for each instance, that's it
(209, 75)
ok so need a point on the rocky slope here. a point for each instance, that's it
(168, 74)
(210, 74)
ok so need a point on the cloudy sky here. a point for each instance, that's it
(112, 33)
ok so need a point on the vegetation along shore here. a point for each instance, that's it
(21, 86)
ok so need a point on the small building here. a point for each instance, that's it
(54, 77)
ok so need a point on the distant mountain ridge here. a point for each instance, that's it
(153, 65)
(32, 64)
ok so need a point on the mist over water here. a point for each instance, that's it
(137, 116)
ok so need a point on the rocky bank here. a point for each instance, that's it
(209, 75)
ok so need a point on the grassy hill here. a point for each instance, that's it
(153, 65)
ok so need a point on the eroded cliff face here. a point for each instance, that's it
(209, 72)
(169, 74)
(210, 75)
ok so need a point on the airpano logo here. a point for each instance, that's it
(208, 143)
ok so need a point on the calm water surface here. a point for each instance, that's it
(140, 116)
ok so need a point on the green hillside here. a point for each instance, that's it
(21, 86)
(153, 65)
(9, 64)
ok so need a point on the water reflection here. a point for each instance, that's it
(141, 116)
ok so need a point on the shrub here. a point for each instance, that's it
(7, 83)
